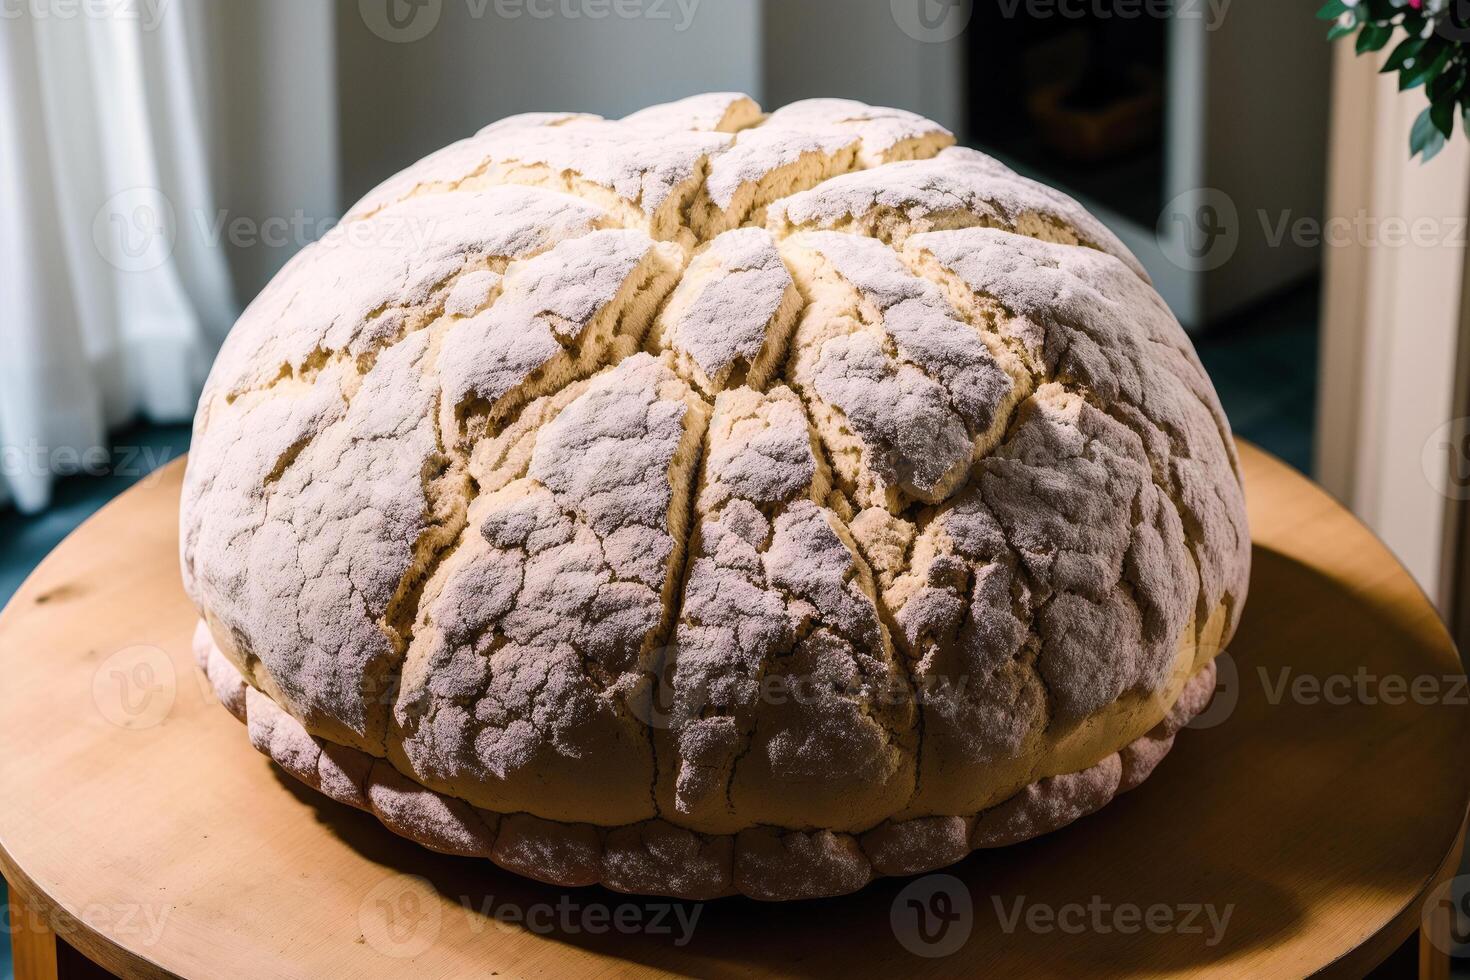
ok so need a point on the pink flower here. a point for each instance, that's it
(1417, 4)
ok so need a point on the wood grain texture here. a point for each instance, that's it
(32, 943)
(135, 813)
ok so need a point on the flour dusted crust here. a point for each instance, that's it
(729, 321)
(713, 502)
(956, 188)
(720, 112)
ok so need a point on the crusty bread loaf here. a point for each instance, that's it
(714, 502)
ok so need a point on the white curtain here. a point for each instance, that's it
(131, 136)
(112, 303)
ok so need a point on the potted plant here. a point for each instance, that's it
(1433, 50)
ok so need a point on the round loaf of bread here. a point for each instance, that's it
(713, 502)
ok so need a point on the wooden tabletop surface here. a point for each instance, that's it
(1299, 827)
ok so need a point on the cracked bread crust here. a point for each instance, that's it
(711, 502)
(657, 857)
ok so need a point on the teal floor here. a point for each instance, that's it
(25, 540)
(1263, 364)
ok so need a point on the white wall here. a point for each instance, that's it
(1392, 306)
(857, 50)
(273, 120)
(484, 59)
(1264, 143)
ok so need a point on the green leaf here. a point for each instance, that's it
(1332, 9)
(1374, 37)
(1432, 148)
(1425, 137)
(1340, 30)
(1419, 132)
(1429, 63)
(1447, 84)
(1406, 49)
(1442, 114)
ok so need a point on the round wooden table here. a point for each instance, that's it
(1305, 824)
